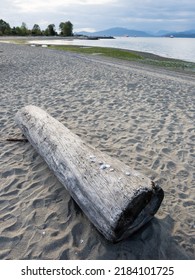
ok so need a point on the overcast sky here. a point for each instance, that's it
(95, 15)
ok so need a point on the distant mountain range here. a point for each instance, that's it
(184, 34)
(120, 31)
(117, 31)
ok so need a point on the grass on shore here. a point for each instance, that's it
(141, 57)
(13, 41)
(110, 52)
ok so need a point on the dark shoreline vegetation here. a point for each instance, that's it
(66, 29)
(129, 55)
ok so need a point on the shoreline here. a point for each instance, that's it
(148, 58)
(138, 114)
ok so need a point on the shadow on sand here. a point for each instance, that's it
(153, 242)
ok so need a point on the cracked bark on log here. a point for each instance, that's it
(115, 198)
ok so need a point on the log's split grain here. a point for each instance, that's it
(116, 199)
(17, 140)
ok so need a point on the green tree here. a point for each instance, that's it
(24, 29)
(18, 31)
(5, 28)
(13, 31)
(50, 30)
(66, 28)
(36, 30)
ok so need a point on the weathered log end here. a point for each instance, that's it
(139, 212)
(116, 199)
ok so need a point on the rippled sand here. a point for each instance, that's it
(143, 116)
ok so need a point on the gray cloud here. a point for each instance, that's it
(134, 14)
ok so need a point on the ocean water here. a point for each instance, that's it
(179, 48)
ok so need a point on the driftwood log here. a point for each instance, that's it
(115, 198)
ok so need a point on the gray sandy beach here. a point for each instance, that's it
(142, 115)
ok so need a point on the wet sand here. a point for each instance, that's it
(141, 115)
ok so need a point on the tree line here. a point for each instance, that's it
(66, 29)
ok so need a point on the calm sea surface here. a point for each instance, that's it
(179, 48)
